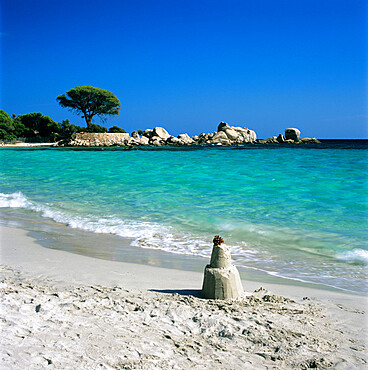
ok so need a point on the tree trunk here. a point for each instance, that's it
(88, 120)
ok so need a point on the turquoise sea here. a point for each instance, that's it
(296, 211)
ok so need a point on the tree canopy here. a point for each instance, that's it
(89, 101)
(6, 122)
(36, 124)
(6, 126)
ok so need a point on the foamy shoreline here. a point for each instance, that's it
(61, 310)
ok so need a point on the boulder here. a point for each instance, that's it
(134, 142)
(173, 140)
(161, 133)
(203, 138)
(221, 278)
(148, 133)
(309, 140)
(185, 138)
(252, 136)
(269, 140)
(231, 134)
(144, 140)
(219, 136)
(222, 126)
(280, 138)
(135, 135)
(292, 134)
(245, 135)
(156, 141)
(220, 141)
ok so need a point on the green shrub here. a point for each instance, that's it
(92, 127)
(116, 129)
(68, 130)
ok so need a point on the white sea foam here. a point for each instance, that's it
(152, 235)
(14, 200)
(356, 256)
(144, 234)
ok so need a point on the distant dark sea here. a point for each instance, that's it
(295, 211)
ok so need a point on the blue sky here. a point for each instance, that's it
(187, 65)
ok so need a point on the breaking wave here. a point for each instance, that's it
(356, 256)
(151, 235)
(143, 234)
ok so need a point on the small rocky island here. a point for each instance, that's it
(225, 135)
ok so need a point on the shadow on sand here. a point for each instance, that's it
(184, 292)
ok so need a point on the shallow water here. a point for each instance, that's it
(298, 212)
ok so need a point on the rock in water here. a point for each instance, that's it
(221, 278)
(185, 138)
(161, 133)
(292, 134)
(281, 138)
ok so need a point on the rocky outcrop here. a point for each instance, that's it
(269, 140)
(185, 139)
(227, 135)
(292, 136)
(221, 278)
(158, 136)
(237, 135)
(219, 138)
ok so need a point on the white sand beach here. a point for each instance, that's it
(27, 145)
(66, 311)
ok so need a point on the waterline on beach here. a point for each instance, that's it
(155, 237)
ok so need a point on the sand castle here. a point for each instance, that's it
(221, 277)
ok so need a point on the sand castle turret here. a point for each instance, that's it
(221, 277)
